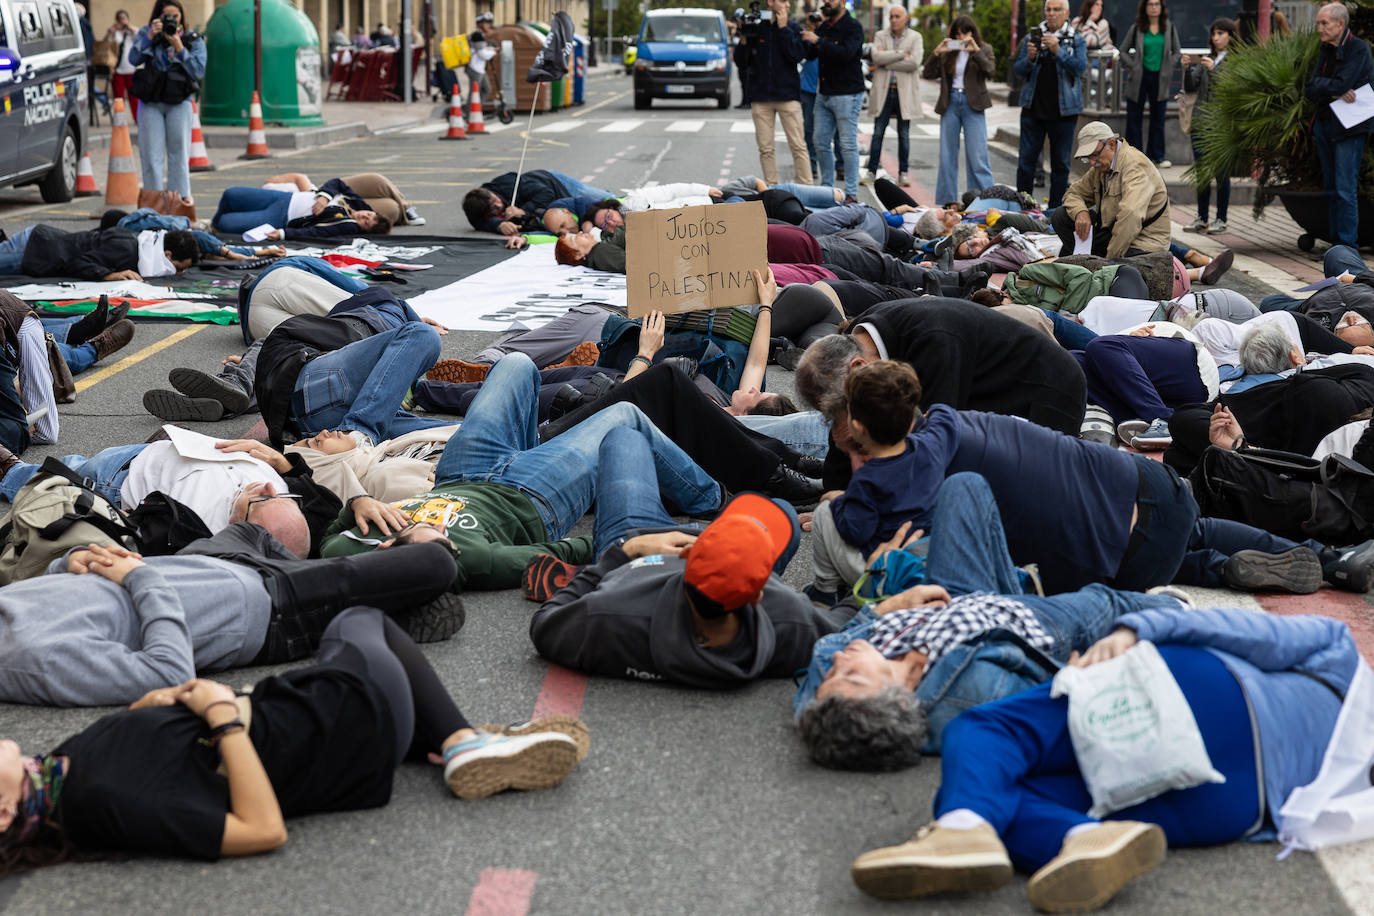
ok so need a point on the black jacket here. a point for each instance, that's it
(630, 619)
(772, 58)
(839, 48)
(296, 341)
(89, 255)
(1339, 69)
(538, 189)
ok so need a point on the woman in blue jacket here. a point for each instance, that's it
(173, 65)
(1265, 691)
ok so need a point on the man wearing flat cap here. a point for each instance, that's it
(702, 609)
(1121, 199)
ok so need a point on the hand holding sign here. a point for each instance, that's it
(694, 257)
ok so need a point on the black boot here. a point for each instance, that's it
(797, 489)
(91, 324)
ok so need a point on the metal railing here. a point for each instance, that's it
(1102, 83)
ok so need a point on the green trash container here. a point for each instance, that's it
(291, 81)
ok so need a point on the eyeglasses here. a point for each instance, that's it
(254, 500)
(1095, 153)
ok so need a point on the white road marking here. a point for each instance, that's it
(685, 127)
(741, 127)
(619, 127)
(558, 127)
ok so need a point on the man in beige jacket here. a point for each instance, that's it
(1121, 202)
(896, 91)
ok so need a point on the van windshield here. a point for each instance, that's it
(685, 29)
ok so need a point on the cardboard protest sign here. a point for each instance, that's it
(694, 257)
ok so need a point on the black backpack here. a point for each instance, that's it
(1287, 494)
(165, 525)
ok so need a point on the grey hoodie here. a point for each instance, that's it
(630, 618)
(69, 640)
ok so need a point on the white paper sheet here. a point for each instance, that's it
(198, 447)
(1358, 111)
(259, 233)
(1083, 246)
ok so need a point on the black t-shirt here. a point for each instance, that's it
(1045, 102)
(140, 780)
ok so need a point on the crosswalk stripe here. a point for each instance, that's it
(620, 127)
(685, 127)
(930, 130)
(557, 127)
(426, 129)
(741, 127)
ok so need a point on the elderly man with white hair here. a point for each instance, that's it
(1343, 65)
(896, 92)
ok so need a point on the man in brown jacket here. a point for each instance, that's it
(1120, 202)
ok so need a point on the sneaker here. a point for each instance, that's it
(903, 179)
(1197, 225)
(486, 764)
(1354, 569)
(180, 408)
(936, 860)
(1221, 263)
(1127, 430)
(1164, 164)
(1097, 426)
(820, 597)
(545, 575)
(413, 218)
(1174, 592)
(197, 384)
(435, 620)
(571, 726)
(115, 337)
(865, 176)
(1094, 865)
(1154, 437)
(1297, 571)
(458, 370)
(1216, 226)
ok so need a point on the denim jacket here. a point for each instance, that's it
(997, 665)
(191, 57)
(1072, 61)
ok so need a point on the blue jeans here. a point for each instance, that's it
(241, 209)
(360, 386)
(1340, 161)
(1033, 133)
(805, 432)
(808, 103)
(627, 500)
(499, 443)
(579, 188)
(892, 108)
(1070, 334)
(79, 358)
(12, 251)
(812, 197)
(1135, 114)
(838, 115)
(1011, 761)
(1214, 540)
(1342, 258)
(164, 143)
(107, 468)
(1204, 196)
(975, 127)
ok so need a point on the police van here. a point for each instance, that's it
(43, 96)
(682, 54)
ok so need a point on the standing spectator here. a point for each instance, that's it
(838, 42)
(963, 63)
(1051, 60)
(1092, 24)
(385, 38)
(1149, 53)
(87, 33)
(122, 35)
(1343, 66)
(896, 91)
(810, 81)
(360, 39)
(1197, 77)
(770, 56)
(482, 52)
(741, 71)
(173, 62)
(338, 41)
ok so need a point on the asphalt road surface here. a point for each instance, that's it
(690, 802)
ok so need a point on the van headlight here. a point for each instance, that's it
(641, 64)
(716, 63)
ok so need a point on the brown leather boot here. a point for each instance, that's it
(113, 338)
(8, 460)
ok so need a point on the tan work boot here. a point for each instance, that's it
(937, 859)
(1094, 865)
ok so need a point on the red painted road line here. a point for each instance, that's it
(561, 693)
(257, 431)
(502, 892)
(1351, 609)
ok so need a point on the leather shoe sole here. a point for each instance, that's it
(178, 408)
(197, 384)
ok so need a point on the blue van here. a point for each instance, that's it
(682, 54)
(43, 96)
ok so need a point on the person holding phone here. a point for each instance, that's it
(963, 63)
(1051, 60)
(1198, 73)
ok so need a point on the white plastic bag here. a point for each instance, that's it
(1338, 806)
(1133, 733)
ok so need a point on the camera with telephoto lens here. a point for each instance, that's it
(814, 17)
(751, 23)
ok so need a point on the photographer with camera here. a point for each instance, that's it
(770, 51)
(171, 62)
(837, 41)
(1051, 60)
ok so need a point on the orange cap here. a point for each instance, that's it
(731, 560)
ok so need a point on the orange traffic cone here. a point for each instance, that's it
(257, 135)
(85, 178)
(199, 160)
(121, 182)
(456, 128)
(475, 123)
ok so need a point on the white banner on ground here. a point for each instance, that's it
(526, 291)
(92, 289)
